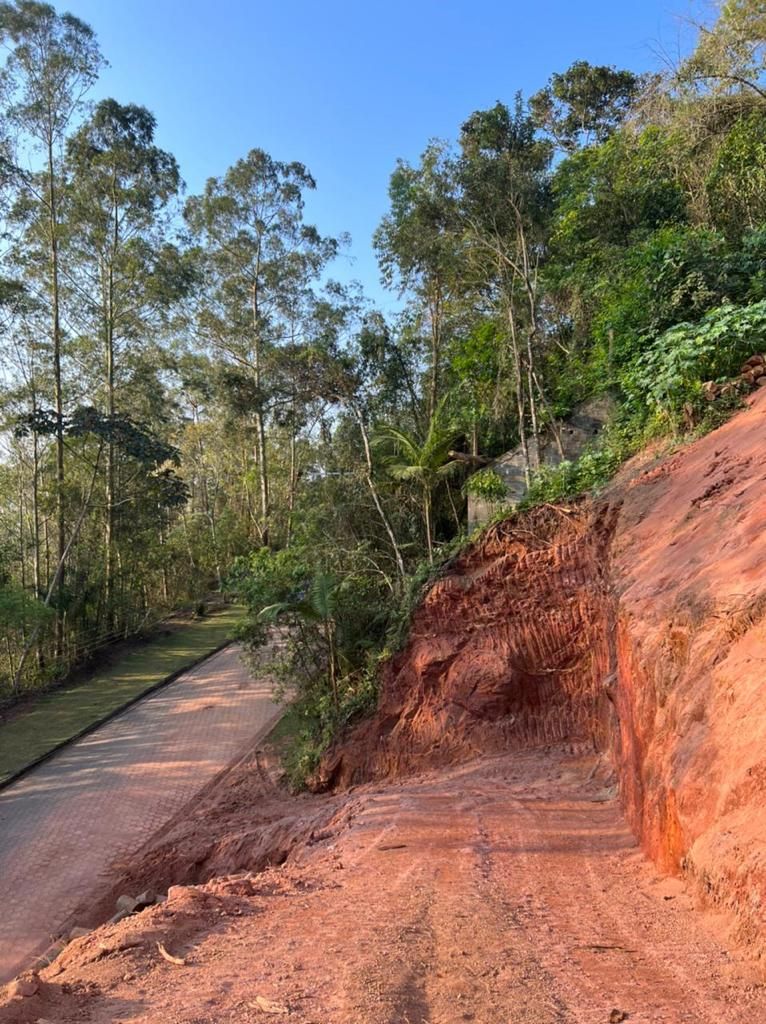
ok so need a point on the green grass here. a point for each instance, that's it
(287, 729)
(58, 716)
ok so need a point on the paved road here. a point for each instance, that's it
(63, 825)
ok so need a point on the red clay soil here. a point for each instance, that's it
(508, 889)
(508, 650)
(471, 860)
(638, 625)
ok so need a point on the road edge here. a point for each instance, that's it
(115, 713)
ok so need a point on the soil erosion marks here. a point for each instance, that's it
(509, 649)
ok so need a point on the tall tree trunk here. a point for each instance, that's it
(263, 471)
(36, 514)
(36, 567)
(519, 385)
(530, 287)
(427, 517)
(22, 540)
(56, 581)
(109, 318)
(332, 658)
(533, 404)
(293, 485)
(58, 386)
(435, 314)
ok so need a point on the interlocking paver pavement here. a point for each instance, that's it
(63, 825)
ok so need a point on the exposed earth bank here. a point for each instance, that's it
(469, 858)
(638, 625)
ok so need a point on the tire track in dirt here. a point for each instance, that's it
(507, 890)
(608, 945)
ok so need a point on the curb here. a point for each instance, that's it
(165, 681)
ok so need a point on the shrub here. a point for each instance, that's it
(486, 484)
(670, 374)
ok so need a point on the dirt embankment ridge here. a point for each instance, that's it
(637, 625)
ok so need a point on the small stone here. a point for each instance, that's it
(126, 902)
(145, 899)
(23, 987)
(78, 933)
(160, 898)
(52, 952)
(616, 1016)
(119, 916)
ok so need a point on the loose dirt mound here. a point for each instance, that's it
(243, 821)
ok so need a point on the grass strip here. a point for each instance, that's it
(68, 712)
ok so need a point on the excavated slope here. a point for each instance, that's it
(508, 650)
(636, 625)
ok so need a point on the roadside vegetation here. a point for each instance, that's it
(189, 401)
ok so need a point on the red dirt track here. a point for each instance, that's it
(506, 890)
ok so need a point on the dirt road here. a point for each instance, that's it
(63, 825)
(509, 890)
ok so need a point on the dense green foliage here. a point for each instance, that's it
(190, 402)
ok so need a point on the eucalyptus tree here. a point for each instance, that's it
(357, 367)
(418, 245)
(585, 104)
(53, 59)
(505, 203)
(122, 280)
(260, 261)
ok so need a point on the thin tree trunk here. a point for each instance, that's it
(36, 568)
(58, 385)
(22, 544)
(532, 404)
(56, 581)
(554, 427)
(36, 515)
(530, 287)
(427, 517)
(263, 473)
(374, 491)
(109, 316)
(435, 311)
(329, 630)
(519, 382)
(458, 524)
(292, 486)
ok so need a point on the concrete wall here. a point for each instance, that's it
(576, 433)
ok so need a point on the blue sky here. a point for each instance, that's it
(347, 86)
